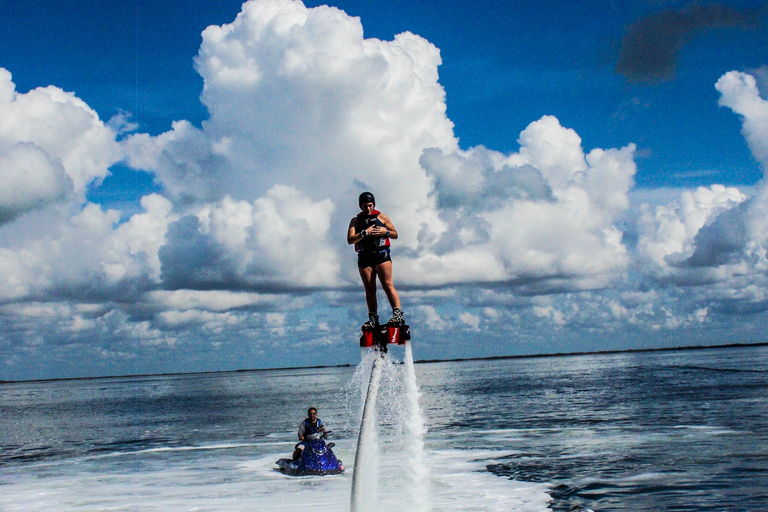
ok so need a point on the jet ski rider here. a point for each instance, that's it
(309, 429)
(370, 231)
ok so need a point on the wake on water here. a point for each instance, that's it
(393, 470)
(396, 473)
(210, 442)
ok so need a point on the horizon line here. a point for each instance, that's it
(419, 361)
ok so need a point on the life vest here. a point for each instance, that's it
(311, 428)
(370, 243)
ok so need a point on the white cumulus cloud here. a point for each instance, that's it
(298, 97)
(739, 93)
(668, 232)
(305, 113)
(29, 179)
(51, 138)
(717, 235)
(279, 241)
(542, 218)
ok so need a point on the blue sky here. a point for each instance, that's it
(567, 177)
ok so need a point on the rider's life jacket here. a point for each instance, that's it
(370, 243)
(311, 428)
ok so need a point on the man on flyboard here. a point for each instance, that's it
(370, 231)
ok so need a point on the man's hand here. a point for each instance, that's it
(378, 231)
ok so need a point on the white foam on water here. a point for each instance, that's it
(230, 484)
(407, 474)
(459, 483)
(212, 485)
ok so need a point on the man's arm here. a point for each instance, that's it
(352, 236)
(302, 431)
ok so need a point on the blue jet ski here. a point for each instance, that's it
(317, 458)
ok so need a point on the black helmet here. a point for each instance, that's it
(366, 197)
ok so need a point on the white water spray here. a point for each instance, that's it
(397, 452)
(415, 430)
(365, 472)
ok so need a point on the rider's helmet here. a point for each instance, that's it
(366, 197)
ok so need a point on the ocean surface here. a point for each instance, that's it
(654, 431)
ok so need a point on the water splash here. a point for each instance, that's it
(391, 468)
(364, 494)
(417, 465)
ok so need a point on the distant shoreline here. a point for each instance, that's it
(420, 361)
(598, 352)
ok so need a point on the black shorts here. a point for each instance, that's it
(371, 259)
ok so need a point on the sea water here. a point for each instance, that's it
(674, 430)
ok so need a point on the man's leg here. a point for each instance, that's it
(368, 276)
(297, 451)
(384, 271)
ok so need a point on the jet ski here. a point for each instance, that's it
(317, 458)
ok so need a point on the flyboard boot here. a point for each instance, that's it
(397, 317)
(377, 336)
(373, 321)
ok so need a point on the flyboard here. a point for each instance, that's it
(377, 339)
